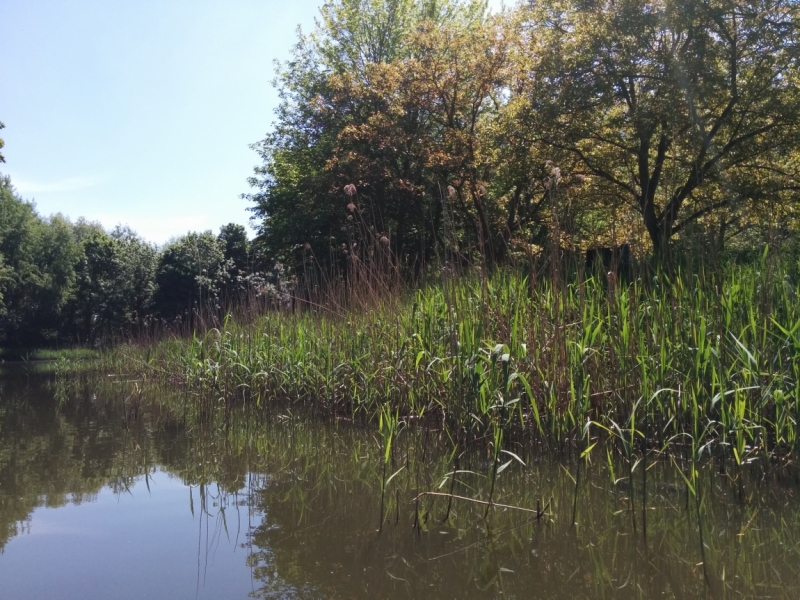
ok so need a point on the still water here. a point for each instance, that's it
(115, 489)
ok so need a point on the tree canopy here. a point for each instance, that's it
(64, 283)
(567, 120)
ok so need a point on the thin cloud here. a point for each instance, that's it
(71, 184)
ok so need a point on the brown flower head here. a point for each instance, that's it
(350, 189)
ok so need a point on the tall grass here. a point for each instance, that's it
(689, 364)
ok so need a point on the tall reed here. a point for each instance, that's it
(682, 364)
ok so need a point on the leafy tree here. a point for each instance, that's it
(137, 260)
(191, 274)
(422, 138)
(2, 143)
(329, 91)
(681, 108)
(115, 280)
(39, 258)
(236, 247)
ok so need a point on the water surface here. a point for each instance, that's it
(114, 489)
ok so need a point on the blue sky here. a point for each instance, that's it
(141, 113)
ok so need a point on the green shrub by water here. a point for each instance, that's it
(685, 365)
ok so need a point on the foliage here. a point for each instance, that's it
(38, 274)
(192, 271)
(340, 98)
(64, 283)
(570, 122)
(682, 109)
(689, 364)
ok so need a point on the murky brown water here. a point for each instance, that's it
(112, 489)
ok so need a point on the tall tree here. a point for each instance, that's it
(677, 105)
(39, 258)
(192, 272)
(298, 190)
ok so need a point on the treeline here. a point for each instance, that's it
(418, 133)
(440, 130)
(64, 283)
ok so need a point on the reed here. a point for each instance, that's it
(680, 364)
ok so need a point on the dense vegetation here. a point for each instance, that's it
(574, 122)
(687, 366)
(64, 283)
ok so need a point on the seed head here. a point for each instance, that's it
(350, 189)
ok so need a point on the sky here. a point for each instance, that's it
(141, 113)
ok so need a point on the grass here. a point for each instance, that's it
(72, 354)
(687, 366)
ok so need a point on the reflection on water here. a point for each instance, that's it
(113, 489)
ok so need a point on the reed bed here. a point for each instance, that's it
(688, 365)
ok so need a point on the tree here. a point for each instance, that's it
(39, 258)
(95, 299)
(2, 143)
(236, 247)
(423, 138)
(137, 260)
(298, 195)
(192, 272)
(680, 107)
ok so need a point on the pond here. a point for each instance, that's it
(111, 488)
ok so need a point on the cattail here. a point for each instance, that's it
(350, 189)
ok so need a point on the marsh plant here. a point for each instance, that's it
(675, 366)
